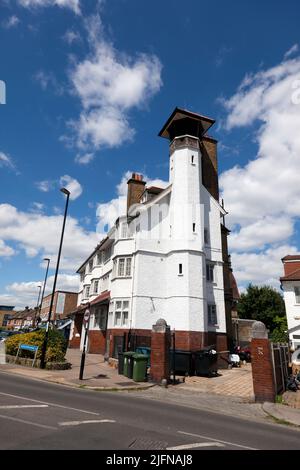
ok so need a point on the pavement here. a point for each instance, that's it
(230, 393)
(98, 374)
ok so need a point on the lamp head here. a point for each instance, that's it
(65, 191)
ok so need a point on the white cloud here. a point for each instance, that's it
(108, 212)
(71, 36)
(291, 51)
(39, 234)
(110, 84)
(6, 161)
(11, 22)
(263, 197)
(45, 186)
(66, 181)
(72, 185)
(22, 294)
(47, 79)
(72, 4)
(5, 250)
(84, 159)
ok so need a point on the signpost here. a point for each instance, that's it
(86, 323)
(27, 347)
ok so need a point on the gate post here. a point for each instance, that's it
(262, 364)
(160, 351)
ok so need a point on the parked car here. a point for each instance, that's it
(6, 334)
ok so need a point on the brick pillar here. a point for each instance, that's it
(262, 365)
(160, 348)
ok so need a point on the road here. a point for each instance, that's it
(38, 415)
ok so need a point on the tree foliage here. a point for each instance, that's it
(262, 303)
(280, 334)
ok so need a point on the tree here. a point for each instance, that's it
(262, 303)
(280, 334)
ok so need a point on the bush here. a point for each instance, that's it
(56, 348)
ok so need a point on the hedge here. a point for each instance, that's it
(56, 347)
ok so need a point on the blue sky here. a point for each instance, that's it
(68, 64)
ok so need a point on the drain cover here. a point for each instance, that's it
(147, 444)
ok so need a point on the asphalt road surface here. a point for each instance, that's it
(38, 415)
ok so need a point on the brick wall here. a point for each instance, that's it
(262, 370)
(97, 339)
(290, 267)
(70, 303)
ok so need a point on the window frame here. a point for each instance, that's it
(297, 295)
(210, 272)
(210, 313)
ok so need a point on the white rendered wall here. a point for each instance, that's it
(292, 310)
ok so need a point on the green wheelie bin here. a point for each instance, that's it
(139, 367)
(128, 364)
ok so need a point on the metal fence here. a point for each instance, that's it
(129, 343)
(281, 359)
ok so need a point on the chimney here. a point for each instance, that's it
(291, 263)
(136, 187)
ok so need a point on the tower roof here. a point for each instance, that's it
(182, 122)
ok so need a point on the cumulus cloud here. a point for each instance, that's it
(5, 250)
(108, 212)
(263, 197)
(109, 85)
(39, 234)
(72, 185)
(73, 5)
(22, 294)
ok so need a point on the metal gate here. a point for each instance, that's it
(281, 359)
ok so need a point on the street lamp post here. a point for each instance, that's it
(86, 322)
(37, 305)
(45, 281)
(44, 347)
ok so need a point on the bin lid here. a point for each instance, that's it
(140, 357)
(129, 353)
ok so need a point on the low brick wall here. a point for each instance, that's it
(25, 361)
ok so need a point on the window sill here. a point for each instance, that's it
(180, 275)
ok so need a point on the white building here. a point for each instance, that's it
(290, 283)
(164, 258)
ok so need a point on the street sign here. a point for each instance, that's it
(86, 316)
(28, 347)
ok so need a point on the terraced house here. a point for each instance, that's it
(166, 257)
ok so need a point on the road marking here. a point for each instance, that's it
(216, 440)
(89, 421)
(196, 445)
(50, 404)
(28, 422)
(8, 407)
